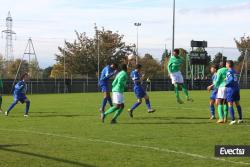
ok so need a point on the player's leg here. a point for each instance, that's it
(105, 97)
(212, 109)
(11, 107)
(130, 111)
(117, 113)
(225, 110)
(231, 111)
(185, 91)
(27, 101)
(109, 99)
(237, 103)
(177, 94)
(148, 104)
(1, 100)
(220, 110)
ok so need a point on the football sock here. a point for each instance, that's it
(148, 104)
(220, 111)
(12, 106)
(117, 113)
(225, 109)
(1, 100)
(239, 111)
(110, 101)
(185, 91)
(27, 107)
(176, 91)
(111, 110)
(135, 105)
(104, 102)
(212, 110)
(231, 110)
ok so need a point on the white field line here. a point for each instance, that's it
(130, 145)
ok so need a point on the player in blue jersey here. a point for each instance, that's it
(233, 91)
(139, 91)
(108, 72)
(20, 95)
(213, 90)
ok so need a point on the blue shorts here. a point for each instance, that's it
(139, 92)
(233, 95)
(214, 94)
(21, 99)
(104, 88)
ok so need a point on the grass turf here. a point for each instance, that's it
(65, 130)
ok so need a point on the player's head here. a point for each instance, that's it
(230, 64)
(214, 68)
(222, 64)
(24, 77)
(124, 67)
(114, 66)
(138, 67)
(176, 52)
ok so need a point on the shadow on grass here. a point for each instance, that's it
(6, 148)
(166, 123)
(62, 115)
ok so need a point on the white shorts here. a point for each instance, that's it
(221, 93)
(176, 77)
(118, 98)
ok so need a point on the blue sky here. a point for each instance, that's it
(49, 22)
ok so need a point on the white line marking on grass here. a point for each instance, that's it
(130, 145)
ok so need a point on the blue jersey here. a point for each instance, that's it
(214, 77)
(136, 77)
(106, 74)
(232, 79)
(20, 90)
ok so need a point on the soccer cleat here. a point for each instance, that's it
(225, 120)
(212, 117)
(101, 111)
(240, 121)
(113, 121)
(6, 113)
(26, 115)
(1, 110)
(130, 112)
(190, 99)
(220, 122)
(180, 101)
(151, 110)
(232, 122)
(102, 117)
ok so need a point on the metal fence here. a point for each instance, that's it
(91, 85)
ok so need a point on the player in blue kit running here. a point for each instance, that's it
(20, 95)
(214, 91)
(233, 91)
(108, 72)
(139, 91)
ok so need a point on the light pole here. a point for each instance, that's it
(173, 37)
(137, 48)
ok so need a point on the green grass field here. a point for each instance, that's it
(65, 130)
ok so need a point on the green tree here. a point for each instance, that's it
(13, 66)
(46, 72)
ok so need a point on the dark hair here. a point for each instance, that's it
(124, 67)
(115, 65)
(138, 66)
(222, 64)
(215, 66)
(177, 51)
(231, 63)
(23, 76)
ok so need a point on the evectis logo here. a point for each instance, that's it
(232, 151)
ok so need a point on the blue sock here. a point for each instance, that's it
(110, 101)
(27, 107)
(12, 106)
(104, 102)
(239, 112)
(231, 110)
(148, 104)
(212, 110)
(135, 105)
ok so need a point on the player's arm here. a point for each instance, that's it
(229, 79)
(210, 87)
(218, 80)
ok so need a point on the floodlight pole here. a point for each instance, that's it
(98, 52)
(173, 37)
(137, 40)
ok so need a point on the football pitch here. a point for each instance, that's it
(65, 130)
